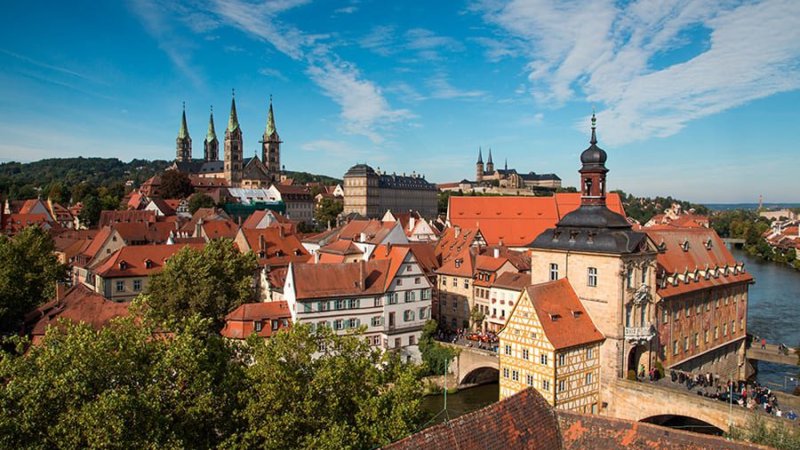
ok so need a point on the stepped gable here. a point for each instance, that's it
(522, 421)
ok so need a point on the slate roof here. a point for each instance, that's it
(594, 229)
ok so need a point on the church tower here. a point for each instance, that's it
(183, 144)
(489, 163)
(211, 144)
(593, 172)
(479, 168)
(271, 147)
(233, 149)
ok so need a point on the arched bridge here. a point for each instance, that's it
(648, 402)
(474, 366)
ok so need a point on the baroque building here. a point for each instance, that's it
(510, 178)
(370, 193)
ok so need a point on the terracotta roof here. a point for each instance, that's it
(277, 278)
(454, 240)
(512, 281)
(100, 238)
(254, 219)
(293, 190)
(14, 223)
(522, 421)
(135, 201)
(682, 250)
(516, 221)
(396, 254)
(462, 264)
(425, 254)
(208, 182)
(336, 280)
(240, 323)
(112, 217)
(78, 305)
(273, 248)
(139, 260)
(521, 260)
(374, 230)
(207, 215)
(164, 206)
(563, 317)
(152, 233)
(341, 247)
(216, 229)
(489, 263)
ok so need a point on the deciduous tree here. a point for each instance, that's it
(175, 184)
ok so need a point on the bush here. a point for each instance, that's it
(632, 375)
(660, 369)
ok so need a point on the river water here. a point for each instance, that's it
(773, 313)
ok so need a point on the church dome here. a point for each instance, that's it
(593, 156)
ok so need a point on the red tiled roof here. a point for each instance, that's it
(152, 233)
(240, 323)
(112, 217)
(78, 305)
(14, 223)
(521, 260)
(293, 190)
(254, 219)
(396, 254)
(374, 230)
(335, 280)
(216, 229)
(672, 258)
(100, 238)
(462, 264)
(563, 317)
(341, 247)
(522, 421)
(132, 261)
(273, 248)
(516, 221)
(513, 281)
(454, 240)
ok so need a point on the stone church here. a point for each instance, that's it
(237, 170)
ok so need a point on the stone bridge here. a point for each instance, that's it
(474, 366)
(647, 402)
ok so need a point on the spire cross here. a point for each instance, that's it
(594, 126)
(233, 92)
(184, 105)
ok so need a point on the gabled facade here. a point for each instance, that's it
(551, 344)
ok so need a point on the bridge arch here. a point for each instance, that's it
(481, 375)
(683, 422)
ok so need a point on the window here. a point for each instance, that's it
(393, 298)
(137, 285)
(697, 339)
(455, 304)
(724, 329)
(120, 286)
(675, 347)
(455, 282)
(257, 326)
(408, 315)
(688, 308)
(377, 302)
(589, 353)
(466, 284)
(592, 281)
(411, 340)
(553, 272)
(733, 326)
(716, 332)
(525, 354)
(546, 385)
(644, 275)
(353, 303)
(416, 280)
(529, 380)
(505, 372)
(589, 378)
(425, 294)
(307, 307)
(322, 324)
(339, 304)
(408, 268)
(399, 282)
(377, 321)
(664, 315)
(338, 324)
(543, 359)
(376, 340)
(741, 324)
(685, 343)
(322, 306)
(561, 359)
(410, 296)
(397, 343)
(508, 349)
(444, 281)
(562, 386)
(423, 313)
(629, 278)
(514, 375)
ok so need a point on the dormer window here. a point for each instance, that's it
(123, 265)
(148, 264)
(257, 325)
(685, 245)
(709, 244)
(662, 246)
(577, 314)
(458, 263)
(555, 317)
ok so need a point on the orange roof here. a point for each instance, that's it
(460, 264)
(112, 217)
(216, 229)
(374, 230)
(425, 254)
(153, 233)
(703, 249)
(455, 239)
(99, 239)
(240, 323)
(517, 221)
(14, 223)
(78, 305)
(563, 317)
(139, 260)
(254, 219)
(341, 247)
(273, 248)
(512, 280)
(396, 255)
(336, 280)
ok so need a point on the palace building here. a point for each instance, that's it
(370, 193)
(510, 178)
(235, 169)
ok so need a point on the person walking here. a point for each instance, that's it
(763, 343)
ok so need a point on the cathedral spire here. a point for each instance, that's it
(270, 119)
(233, 121)
(183, 132)
(489, 161)
(480, 156)
(211, 134)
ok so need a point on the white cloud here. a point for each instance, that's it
(380, 40)
(346, 10)
(753, 52)
(442, 89)
(272, 73)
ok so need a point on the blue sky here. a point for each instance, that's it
(694, 99)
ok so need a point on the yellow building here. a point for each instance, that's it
(551, 344)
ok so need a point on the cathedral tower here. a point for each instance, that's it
(479, 168)
(211, 144)
(271, 147)
(233, 148)
(489, 163)
(183, 144)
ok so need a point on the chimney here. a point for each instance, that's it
(280, 231)
(362, 237)
(261, 243)
(388, 248)
(61, 290)
(361, 271)
(457, 230)
(496, 252)
(411, 222)
(316, 257)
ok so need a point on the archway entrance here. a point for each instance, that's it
(684, 423)
(638, 357)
